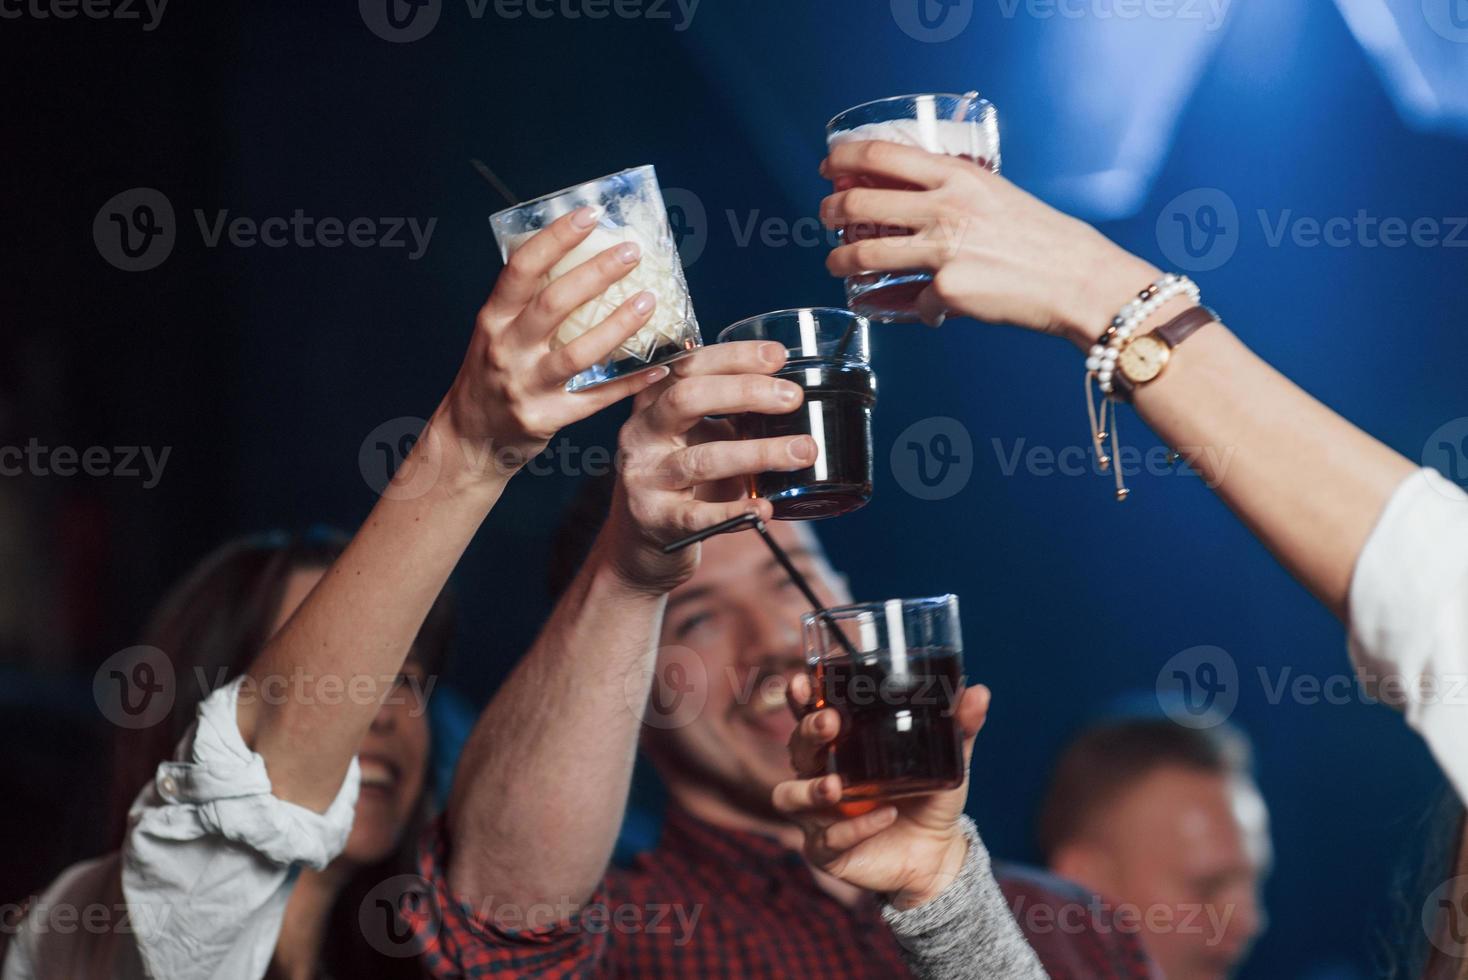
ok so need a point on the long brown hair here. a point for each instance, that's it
(211, 625)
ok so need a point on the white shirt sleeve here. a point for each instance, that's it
(211, 854)
(1409, 615)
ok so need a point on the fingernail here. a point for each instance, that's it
(803, 450)
(657, 374)
(938, 320)
(771, 353)
(644, 302)
(789, 394)
(585, 217)
(628, 253)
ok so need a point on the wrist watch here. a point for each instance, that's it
(1144, 358)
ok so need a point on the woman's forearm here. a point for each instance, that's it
(317, 685)
(1307, 482)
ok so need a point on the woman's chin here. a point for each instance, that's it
(373, 839)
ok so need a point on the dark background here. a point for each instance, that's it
(263, 370)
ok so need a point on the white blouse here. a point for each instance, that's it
(206, 870)
(1409, 615)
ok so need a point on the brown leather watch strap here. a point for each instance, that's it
(1184, 325)
(1171, 333)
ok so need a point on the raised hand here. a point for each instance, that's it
(682, 471)
(909, 849)
(996, 253)
(510, 395)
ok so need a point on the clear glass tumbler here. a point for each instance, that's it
(957, 125)
(830, 358)
(894, 670)
(632, 210)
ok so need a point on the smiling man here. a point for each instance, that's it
(688, 654)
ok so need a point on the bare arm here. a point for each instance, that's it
(542, 786)
(543, 781)
(1306, 481)
(354, 630)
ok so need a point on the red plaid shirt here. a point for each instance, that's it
(710, 902)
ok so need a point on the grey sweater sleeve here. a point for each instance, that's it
(967, 932)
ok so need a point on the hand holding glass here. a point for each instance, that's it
(631, 209)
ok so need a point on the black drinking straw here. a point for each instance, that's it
(494, 181)
(734, 523)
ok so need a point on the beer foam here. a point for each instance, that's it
(953, 137)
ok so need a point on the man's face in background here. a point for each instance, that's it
(1190, 848)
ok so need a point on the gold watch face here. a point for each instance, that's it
(1143, 359)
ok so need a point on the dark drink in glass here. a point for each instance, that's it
(829, 359)
(963, 126)
(894, 672)
(898, 733)
(837, 413)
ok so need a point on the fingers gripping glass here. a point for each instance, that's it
(830, 359)
(631, 209)
(963, 126)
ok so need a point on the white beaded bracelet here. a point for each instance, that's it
(1101, 363)
(1103, 354)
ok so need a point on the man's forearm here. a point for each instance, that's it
(542, 785)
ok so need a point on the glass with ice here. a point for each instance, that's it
(631, 210)
(956, 125)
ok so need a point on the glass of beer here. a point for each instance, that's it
(956, 125)
(894, 671)
(830, 359)
(632, 210)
